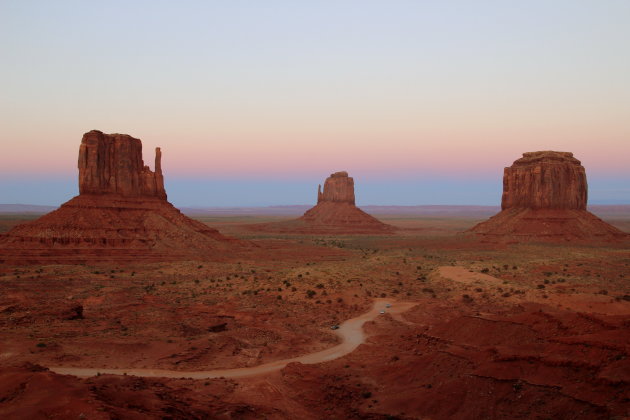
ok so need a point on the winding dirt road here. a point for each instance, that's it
(350, 332)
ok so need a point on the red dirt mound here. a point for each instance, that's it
(555, 225)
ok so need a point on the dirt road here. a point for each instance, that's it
(350, 332)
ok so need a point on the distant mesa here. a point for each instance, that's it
(336, 210)
(335, 213)
(544, 198)
(121, 213)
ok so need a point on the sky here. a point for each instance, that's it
(257, 102)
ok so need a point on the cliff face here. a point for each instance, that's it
(112, 164)
(338, 188)
(545, 180)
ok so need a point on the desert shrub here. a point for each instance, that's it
(310, 293)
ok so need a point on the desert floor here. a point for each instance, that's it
(491, 331)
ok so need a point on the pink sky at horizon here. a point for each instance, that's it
(280, 157)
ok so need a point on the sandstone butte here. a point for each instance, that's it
(336, 210)
(544, 198)
(335, 213)
(120, 214)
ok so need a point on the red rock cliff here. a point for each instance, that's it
(338, 188)
(545, 180)
(112, 164)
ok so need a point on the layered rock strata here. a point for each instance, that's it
(545, 180)
(120, 214)
(544, 198)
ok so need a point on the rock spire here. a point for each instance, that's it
(121, 214)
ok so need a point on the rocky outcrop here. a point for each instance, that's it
(335, 213)
(71, 311)
(338, 188)
(544, 198)
(121, 214)
(545, 180)
(112, 164)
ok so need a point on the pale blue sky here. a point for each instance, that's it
(255, 102)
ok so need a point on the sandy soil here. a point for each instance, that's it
(496, 330)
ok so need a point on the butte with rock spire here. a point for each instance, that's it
(335, 213)
(544, 199)
(120, 214)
